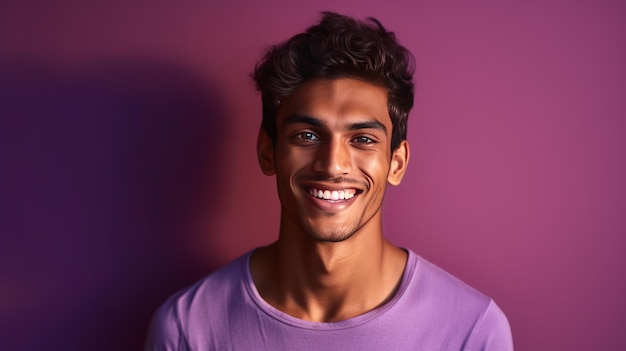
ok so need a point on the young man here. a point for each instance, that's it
(335, 105)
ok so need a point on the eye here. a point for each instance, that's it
(363, 140)
(307, 136)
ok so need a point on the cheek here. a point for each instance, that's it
(290, 161)
(376, 167)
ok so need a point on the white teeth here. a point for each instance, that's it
(332, 195)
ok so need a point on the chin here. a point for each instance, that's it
(334, 236)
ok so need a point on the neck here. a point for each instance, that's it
(328, 281)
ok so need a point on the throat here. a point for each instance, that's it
(325, 288)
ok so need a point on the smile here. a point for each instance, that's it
(344, 194)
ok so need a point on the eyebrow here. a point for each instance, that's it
(368, 125)
(299, 118)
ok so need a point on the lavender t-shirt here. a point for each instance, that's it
(432, 310)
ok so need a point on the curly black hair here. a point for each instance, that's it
(338, 47)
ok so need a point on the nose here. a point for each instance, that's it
(333, 158)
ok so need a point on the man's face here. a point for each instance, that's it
(332, 158)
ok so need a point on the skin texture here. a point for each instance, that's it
(331, 261)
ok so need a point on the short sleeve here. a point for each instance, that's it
(492, 331)
(164, 333)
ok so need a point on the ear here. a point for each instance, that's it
(265, 153)
(399, 162)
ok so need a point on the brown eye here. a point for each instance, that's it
(308, 136)
(363, 140)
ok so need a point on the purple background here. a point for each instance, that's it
(128, 165)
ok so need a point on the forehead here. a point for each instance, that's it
(337, 100)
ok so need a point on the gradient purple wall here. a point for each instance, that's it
(128, 168)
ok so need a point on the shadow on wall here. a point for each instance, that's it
(106, 169)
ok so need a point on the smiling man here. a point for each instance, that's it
(336, 99)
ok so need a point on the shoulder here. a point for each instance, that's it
(216, 286)
(438, 286)
(197, 305)
(460, 310)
